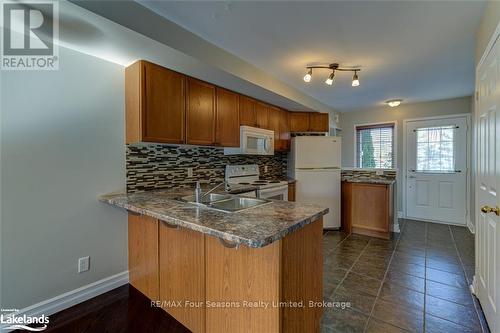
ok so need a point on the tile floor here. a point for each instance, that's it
(416, 282)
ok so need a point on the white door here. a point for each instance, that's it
(436, 159)
(321, 187)
(487, 278)
(316, 151)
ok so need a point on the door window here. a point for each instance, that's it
(435, 149)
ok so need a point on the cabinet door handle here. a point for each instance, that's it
(228, 244)
(171, 226)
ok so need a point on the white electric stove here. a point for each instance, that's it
(249, 175)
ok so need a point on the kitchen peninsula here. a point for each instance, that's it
(256, 270)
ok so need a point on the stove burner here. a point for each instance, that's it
(260, 182)
(243, 183)
(274, 181)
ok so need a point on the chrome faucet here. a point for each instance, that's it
(199, 195)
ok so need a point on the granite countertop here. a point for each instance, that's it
(369, 180)
(254, 227)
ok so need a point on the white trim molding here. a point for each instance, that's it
(73, 297)
(471, 226)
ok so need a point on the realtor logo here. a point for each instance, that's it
(30, 29)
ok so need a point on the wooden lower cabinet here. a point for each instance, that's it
(143, 254)
(367, 209)
(243, 275)
(177, 264)
(182, 275)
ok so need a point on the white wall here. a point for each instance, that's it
(62, 144)
(489, 22)
(384, 113)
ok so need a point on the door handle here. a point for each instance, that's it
(488, 209)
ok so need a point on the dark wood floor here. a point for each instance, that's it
(121, 310)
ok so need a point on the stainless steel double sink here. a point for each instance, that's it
(226, 202)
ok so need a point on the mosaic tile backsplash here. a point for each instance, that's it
(372, 174)
(153, 166)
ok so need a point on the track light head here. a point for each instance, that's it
(355, 79)
(329, 81)
(308, 76)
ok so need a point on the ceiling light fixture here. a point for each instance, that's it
(329, 81)
(355, 79)
(334, 67)
(308, 76)
(394, 102)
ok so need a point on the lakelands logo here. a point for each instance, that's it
(29, 31)
(10, 321)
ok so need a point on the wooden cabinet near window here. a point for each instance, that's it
(309, 122)
(367, 209)
(318, 122)
(227, 129)
(200, 113)
(262, 115)
(247, 111)
(154, 104)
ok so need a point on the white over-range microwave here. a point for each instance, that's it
(253, 141)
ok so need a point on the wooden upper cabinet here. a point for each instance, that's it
(299, 121)
(262, 115)
(200, 113)
(247, 111)
(284, 130)
(154, 103)
(309, 122)
(227, 127)
(319, 122)
(274, 125)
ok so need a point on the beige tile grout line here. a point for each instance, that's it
(370, 316)
(350, 268)
(465, 276)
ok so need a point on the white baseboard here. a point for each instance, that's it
(472, 227)
(73, 297)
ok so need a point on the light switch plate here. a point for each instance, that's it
(379, 172)
(83, 264)
(190, 172)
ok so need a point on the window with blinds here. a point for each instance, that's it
(375, 146)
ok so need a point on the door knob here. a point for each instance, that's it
(488, 209)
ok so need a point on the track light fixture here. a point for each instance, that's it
(334, 67)
(308, 76)
(329, 81)
(355, 79)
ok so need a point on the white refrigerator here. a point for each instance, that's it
(314, 162)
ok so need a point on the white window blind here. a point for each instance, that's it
(375, 146)
(435, 151)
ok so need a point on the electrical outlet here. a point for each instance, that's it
(83, 264)
(190, 172)
(379, 173)
(265, 168)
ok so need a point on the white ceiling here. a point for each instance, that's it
(415, 50)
